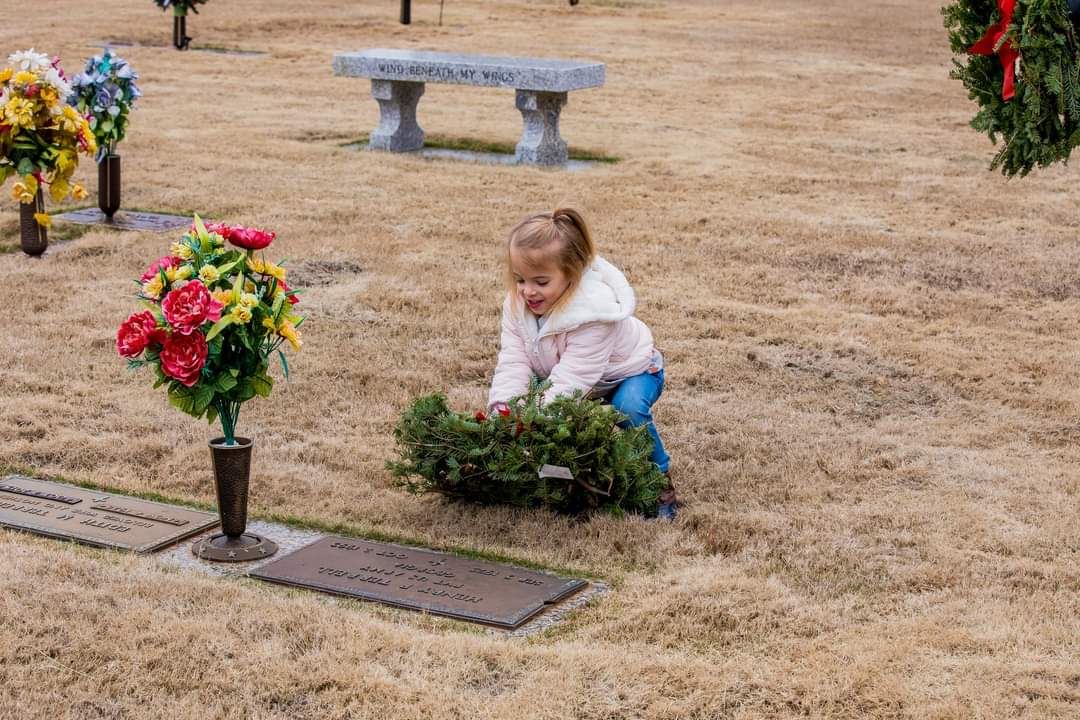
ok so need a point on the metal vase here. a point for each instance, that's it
(33, 237)
(108, 185)
(179, 32)
(232, 470)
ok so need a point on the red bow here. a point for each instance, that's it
(1007, 53)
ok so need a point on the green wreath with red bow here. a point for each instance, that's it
(1019, 61)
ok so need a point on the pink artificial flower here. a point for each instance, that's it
(162, 263)
(187, 308)
(137, 333)
(59, 70)
(220, 228)
(183, 357)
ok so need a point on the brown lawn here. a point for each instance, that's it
(872, 385)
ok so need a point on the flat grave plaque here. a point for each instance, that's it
(458, 587)
(126, 220)
(95, 518)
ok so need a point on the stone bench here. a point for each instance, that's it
(541, 86)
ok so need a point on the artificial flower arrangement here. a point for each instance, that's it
(180, 7)
(213, 316)
(568, 455)
(104, 93)
(40, 134)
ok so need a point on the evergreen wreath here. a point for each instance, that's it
(1020, 64)
(498, 459)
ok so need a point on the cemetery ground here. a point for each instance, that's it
(872, 373)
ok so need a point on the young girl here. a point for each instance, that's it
(569, 317)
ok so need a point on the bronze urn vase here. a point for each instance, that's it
(33, 237)
(109, 185)
(232, 471)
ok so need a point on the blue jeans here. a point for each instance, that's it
(634, 397)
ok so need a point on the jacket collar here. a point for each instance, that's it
(603, 295)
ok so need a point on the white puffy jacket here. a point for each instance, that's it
(593, 339)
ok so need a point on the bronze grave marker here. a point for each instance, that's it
(458, 587)
(95, 518)
(127, 220)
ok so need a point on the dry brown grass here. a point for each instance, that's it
(872, 392)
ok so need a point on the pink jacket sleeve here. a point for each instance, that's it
(512, 371)
(588, 349)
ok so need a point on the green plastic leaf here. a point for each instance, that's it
(284, 364)
(262, 385)
(220, 325)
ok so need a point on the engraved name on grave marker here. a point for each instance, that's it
(95, 518)
(442, 584)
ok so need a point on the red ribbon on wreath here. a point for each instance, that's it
(1007, 53)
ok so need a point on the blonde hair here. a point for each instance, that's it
(561, 235)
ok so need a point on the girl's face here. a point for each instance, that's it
(540, 281)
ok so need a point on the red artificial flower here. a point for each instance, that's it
(162, 263)
(250, 238)
(243, 237)
(32, 91)
(137, 333)
(480, 416)
(285, 288)
(519, 429)
(504, 411)
(187, 308)
(183, 356)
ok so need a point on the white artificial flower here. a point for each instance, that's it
(52, 77)
(29, 60)
(114, 110)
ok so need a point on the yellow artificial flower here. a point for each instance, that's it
(290, 333)
(78, 192)
(43, 219)
(209, 274)
(152, 288)
(66, 162)
(24, 77)
(181, 250)
(249, 287)
(59, 188)
(21, 193)
(249, 300)
(266, 268)
(88, 138)
(50, 97)
(20, 113)
(286, 330)
(223, 296)
(176, 274)
(5, 74)
(241, 314)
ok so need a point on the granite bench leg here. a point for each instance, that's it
(398, 130)
(540, 142)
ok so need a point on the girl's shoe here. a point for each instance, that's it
(668, 509)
